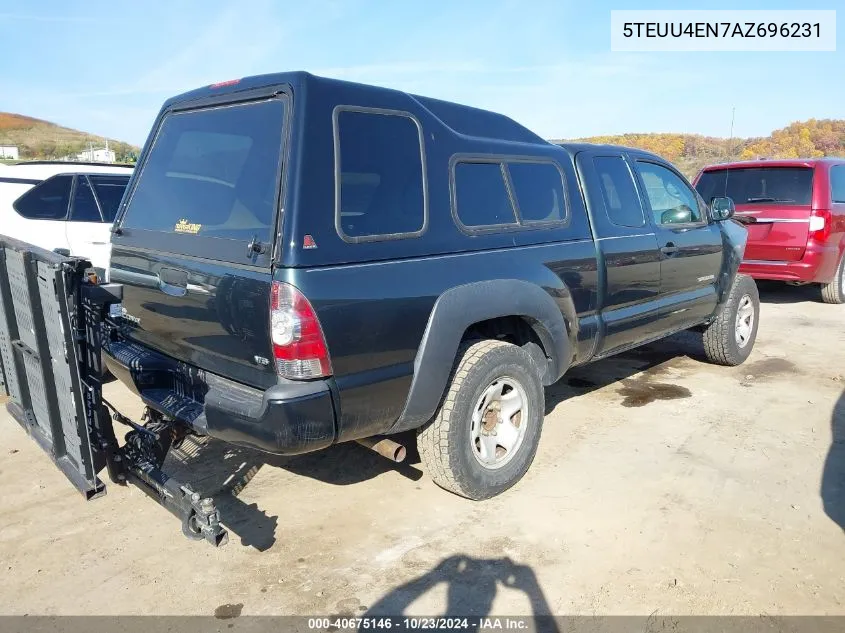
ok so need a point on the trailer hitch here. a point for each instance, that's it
(142, 457)
(199, 516)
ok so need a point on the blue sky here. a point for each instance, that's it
(105, 66)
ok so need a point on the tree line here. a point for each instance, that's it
(690, 152)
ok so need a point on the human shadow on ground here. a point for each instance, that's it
(471, 587)
(833, 476)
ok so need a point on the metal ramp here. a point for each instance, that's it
(39, 357)
(54, 321)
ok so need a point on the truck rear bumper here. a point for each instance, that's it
(817, 265)
(286, 419)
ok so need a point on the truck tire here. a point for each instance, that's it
(729, 339)
(834, 292)
(486, 431)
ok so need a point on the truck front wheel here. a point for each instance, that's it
(729, 339)
(485, 434)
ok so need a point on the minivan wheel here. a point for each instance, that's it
(834, 292)
(729, 339)
(485, 434)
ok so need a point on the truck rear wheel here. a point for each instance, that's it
(834, 292)
(729, 339)
(485, 434)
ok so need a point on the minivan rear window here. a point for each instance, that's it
(758, 185)
(212, 172)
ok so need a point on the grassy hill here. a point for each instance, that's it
(691, 152)
(37, 139)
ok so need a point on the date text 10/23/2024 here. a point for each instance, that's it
(402, 623)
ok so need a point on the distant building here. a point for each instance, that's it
(9, 151)
(101, 155)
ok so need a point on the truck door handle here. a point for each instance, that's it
(670, 249)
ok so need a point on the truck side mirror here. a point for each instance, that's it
(722, 209)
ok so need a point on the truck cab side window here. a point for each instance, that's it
(671, 200)
(47, 201)
(620, 196)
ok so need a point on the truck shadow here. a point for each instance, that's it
(651, 360)
(833, 477)
(222, 471)
(471, 586)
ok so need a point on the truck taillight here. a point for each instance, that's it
(820, 225)
(299, 347)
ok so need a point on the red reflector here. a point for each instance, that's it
(230, 82)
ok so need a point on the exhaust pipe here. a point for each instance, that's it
(385, 447)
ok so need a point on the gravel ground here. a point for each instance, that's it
(662, 485)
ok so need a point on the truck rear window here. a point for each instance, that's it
(758, 185)
(212, 172)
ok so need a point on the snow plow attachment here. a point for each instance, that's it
(54, 320)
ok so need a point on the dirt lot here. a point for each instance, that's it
(662, 485)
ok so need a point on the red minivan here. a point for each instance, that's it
(794, 210)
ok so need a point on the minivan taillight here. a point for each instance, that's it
(299, 347)
(819, 225)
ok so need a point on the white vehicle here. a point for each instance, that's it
(60, 205)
